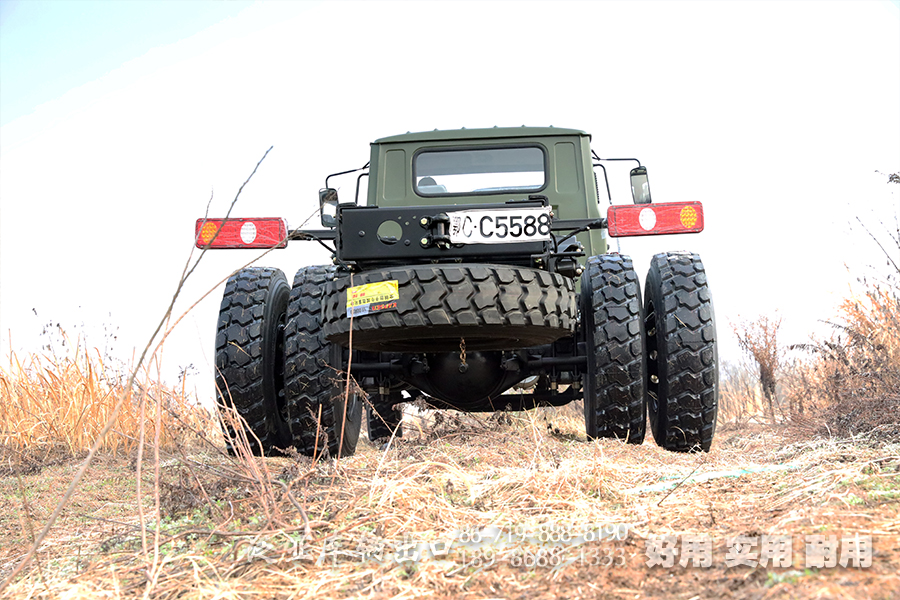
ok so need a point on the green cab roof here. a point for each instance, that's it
(478, 134)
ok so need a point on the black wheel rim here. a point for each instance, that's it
(278, 370)
(652, 382)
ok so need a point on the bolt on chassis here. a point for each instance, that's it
(476, 275)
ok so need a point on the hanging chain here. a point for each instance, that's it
(462, 351)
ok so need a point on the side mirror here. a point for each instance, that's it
(328, 203)
(640, 185)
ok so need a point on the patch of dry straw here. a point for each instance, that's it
(525, 469)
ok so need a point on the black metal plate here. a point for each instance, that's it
(358, 239)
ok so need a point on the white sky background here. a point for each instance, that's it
(120, 119)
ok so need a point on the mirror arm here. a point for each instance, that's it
(605, 178)
(358, 179)
(362, 168)
(612, 159)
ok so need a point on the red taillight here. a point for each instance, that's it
(241, 233)
(655, 219)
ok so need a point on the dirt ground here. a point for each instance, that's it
(519, 505)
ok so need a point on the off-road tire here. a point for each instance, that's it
(614, 397)
(491, 307)
(682, 365)
(314, 388)
(382, 418)
(250, 356)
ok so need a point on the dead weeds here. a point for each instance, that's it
(291, 528)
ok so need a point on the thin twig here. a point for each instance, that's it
(290, 496)
(123, 395)
(678, 485)
(877, 241)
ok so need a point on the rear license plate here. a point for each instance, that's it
(500, 226)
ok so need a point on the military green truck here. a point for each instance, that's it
(476, 275)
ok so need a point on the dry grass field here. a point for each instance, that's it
(216, 526)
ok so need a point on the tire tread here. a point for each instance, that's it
(614, 403)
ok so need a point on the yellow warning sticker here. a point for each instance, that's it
(369, 297)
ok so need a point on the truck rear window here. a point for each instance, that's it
(479, 171)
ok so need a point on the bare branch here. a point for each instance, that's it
(116, 410)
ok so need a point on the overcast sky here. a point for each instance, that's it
(121, 119)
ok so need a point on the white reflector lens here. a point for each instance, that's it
(248, 232)
(647, 219)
